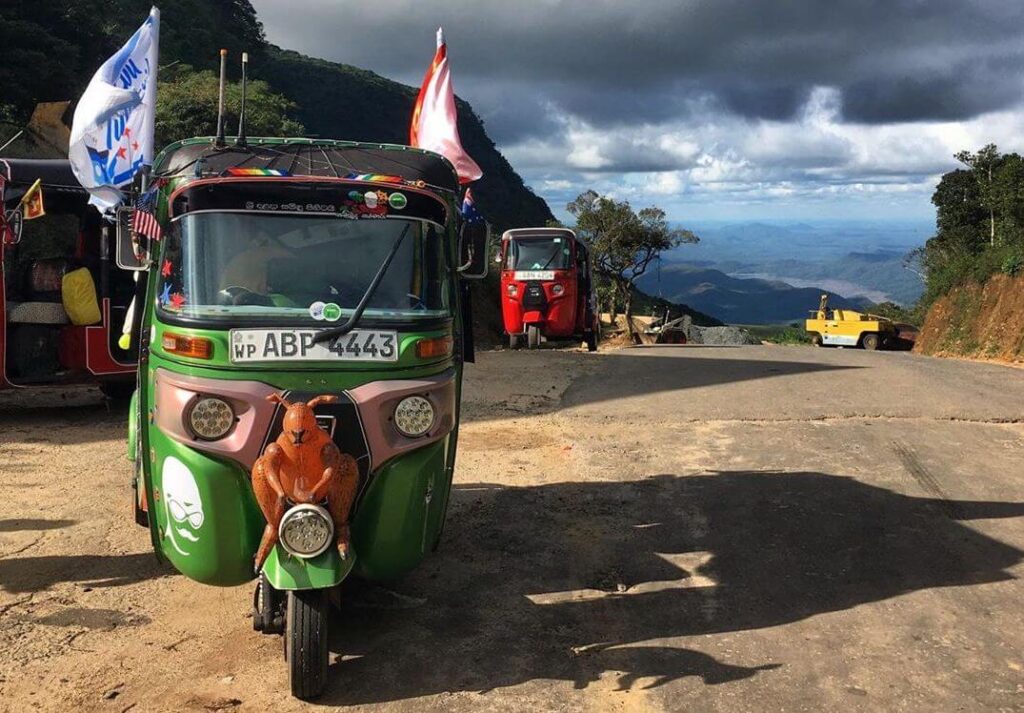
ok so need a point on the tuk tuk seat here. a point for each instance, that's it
(36, 313)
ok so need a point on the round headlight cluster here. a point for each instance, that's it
(211, 418)
(557, 289)
(306, 530)
(414, 416)
(513, 290)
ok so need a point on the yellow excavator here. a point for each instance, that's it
(847, 328)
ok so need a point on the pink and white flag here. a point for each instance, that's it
(433, 124)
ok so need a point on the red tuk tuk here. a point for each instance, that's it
(547, 287)
(63, 301)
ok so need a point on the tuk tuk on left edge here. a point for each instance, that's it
(63, 301)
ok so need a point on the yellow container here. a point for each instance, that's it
(78, 293)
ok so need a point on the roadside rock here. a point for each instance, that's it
(720, 336)
(716, 336)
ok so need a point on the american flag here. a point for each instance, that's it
(144, 221)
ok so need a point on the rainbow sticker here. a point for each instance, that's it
(257, 172)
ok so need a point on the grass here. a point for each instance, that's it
(778, 333)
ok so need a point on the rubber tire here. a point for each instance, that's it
(306, 642)
(533, 336)
(591, 340)
(515, 341)
(869, 342)
(118, 390)
(816, 340)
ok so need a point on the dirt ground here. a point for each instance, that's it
(687, 528)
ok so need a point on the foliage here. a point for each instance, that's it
(624, 242)
(187, 106)
(779, 333)
(897, 313)
(52, 49)
(1012, 264)
(979, 222)
(344, 102)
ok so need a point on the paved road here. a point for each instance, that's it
(760, 528)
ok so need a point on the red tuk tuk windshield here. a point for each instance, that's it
(547, 253)
(223, 266)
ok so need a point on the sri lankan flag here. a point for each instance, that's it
(32, 201)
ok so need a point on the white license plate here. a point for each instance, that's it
(268, 345)
(524, 275)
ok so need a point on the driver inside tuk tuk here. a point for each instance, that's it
(249, 270)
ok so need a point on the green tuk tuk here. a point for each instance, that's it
(298, 291)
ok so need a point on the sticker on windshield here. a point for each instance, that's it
(316, 311)
(397, 201)
(331, 312)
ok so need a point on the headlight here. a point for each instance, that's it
(414, 416)
(557, 289)
(513, 290)
(210, 418)
(306, 530)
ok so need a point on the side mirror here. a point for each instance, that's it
(14, 222)
(474, 246)
(132, 249)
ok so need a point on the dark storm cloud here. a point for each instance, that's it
(642, 61)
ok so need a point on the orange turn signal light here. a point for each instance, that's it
(195, 347)
(433, 347)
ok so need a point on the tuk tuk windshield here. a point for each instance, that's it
(228, 265)
(538, 254)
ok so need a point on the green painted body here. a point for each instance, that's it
(397, 518)
(324, 571)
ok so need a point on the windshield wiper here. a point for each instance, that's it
(553, 256)
(334, 333)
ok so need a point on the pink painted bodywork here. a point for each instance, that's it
(247, 398)
(376, 402)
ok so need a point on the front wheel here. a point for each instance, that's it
(533, 336)
(515, 341)
(816, 340)
(306, 642)
(118, 390)
(591, 340)
(870, 342)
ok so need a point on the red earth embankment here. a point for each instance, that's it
(978, 322)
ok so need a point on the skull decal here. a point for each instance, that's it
(184, 509)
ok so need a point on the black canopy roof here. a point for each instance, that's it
(61, 190)
(309, 157)
(55, 173)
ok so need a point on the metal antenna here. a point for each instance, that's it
(220, 103)
(241, 115)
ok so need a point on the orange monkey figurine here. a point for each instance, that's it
(305, 466)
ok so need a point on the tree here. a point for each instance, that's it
(984, 164)
(187, 106)
(624, 242)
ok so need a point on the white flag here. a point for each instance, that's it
(433, 124)
(112, 131)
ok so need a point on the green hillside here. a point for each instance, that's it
(54, 47)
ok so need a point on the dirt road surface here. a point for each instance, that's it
(715, 529)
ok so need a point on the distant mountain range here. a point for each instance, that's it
(790, 262)
(738, 300)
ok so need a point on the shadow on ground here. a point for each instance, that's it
(573, 580)
(28, 523)
(33, 574)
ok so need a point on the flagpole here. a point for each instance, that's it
(150, 125)
(12, 140)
